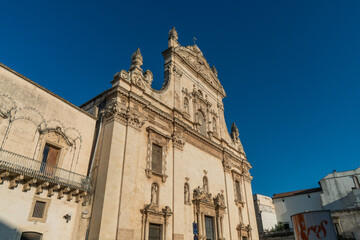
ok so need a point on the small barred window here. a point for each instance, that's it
(39, 209)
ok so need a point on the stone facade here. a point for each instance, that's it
(200, 160)
(158, 161)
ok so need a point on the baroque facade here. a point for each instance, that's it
(161, 163)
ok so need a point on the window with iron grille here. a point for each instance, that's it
(39, 209)
(155, 231)
(156, 163)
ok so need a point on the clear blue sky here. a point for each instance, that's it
(291, 69)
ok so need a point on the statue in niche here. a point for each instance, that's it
(214, 125)
(186, 194)
(186, 105)
(154, 194)
(205, 184)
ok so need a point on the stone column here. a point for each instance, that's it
(203, 224)
(199, 223)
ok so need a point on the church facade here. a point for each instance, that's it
(156, 164)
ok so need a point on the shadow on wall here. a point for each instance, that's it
(8, 232)
(338, 204)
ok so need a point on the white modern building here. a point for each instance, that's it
(290, 203)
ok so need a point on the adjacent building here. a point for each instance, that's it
(265, 213)
(131, 163)
(341, 195)
(290, 203)
(339, 192)
(46, 145)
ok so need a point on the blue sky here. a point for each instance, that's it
(290, 69)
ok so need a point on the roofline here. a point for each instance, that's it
(46, 90)
(297, 192)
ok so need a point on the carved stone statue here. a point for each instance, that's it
(219, 200)
(205, 185)
(234, 133)
(214, 125)
(173, 34)
(214, 70)
(186, 194)
(186, 105)
(200, 194)
(136, 59)
(148, 76)
(154, 194)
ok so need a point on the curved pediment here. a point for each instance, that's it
(193, 56)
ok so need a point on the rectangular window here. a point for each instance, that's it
(39, 209)
(156, 164)
(155, 231)
(209, 228)
(238, 192)
(49, 160)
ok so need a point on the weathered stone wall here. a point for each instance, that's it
(348, 221)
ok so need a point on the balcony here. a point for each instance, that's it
(20, 169)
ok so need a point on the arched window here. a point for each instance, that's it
(205, 184)
(31, 236)
(186, 193)
(155, 194)
(186, 105)
(202, 123)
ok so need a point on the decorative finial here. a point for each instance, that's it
(194, 40)
(136, 59)
(235, 133)
(173, 34)
(214, 70)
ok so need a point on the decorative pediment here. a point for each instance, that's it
(195, 59)
(201, 194)
(58, 132)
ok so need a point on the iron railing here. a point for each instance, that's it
(14, 162)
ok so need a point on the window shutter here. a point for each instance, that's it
(52, 156)
(156, 158)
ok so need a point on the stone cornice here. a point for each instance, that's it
(152, 129)
(59, 132)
